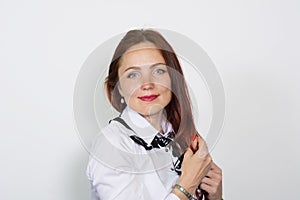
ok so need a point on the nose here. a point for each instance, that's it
(147, 83)
(147, 86)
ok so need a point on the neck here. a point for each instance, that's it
(155, 120)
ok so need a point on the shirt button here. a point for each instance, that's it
(166, 149)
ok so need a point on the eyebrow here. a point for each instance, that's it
(151, 66)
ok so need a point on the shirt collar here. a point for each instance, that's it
(142, 127)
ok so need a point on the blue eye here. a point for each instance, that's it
(160, 71)
(132, 75)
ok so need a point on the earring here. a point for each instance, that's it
(122, 100)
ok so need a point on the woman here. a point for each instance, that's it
(152, 150)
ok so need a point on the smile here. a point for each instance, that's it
(148, 98)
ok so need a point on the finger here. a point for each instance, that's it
(206, 187)
(212, 174)
(200, 140)
(199, 136)
(202, 151)
(188, 153)
(194, 145)
(209, 181)
(208, 162)
(216, 168)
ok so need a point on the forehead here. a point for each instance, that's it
(141, 54)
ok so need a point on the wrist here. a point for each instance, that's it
(187, 186)
(179, 194)
(184, 194)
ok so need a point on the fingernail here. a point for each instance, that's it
(194, 137)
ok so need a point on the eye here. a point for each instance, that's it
(133, 75)
(159, 71)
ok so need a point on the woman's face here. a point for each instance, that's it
(144, 81)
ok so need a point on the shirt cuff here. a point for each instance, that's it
(172, 196)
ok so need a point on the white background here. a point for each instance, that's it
(254, 45)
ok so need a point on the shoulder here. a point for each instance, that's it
(113, 148)
(114, 135)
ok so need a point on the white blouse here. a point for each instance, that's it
(119, 168)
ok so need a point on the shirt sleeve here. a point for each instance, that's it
(172, 196)
(107, 184)
(94, 195)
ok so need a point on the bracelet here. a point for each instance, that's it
(185, 192)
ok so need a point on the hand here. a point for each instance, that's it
(212, 183)
(195, 165)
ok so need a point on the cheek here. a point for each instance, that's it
(128, 88)
(165, 83)
(166, 92)
(169, 94)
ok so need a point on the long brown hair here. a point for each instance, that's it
(179, 112)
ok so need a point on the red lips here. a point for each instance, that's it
(148, 97)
